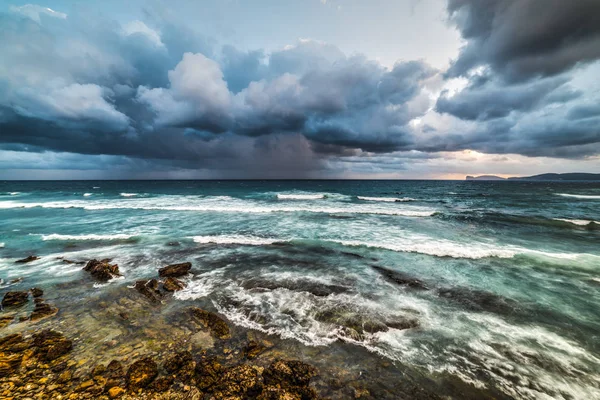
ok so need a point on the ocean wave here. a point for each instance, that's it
(580, 196)
(1, 245)
(235, 239)
(417, 244)
(385, 199)
(281, 196)
(56, 236)
(87, 194)
(166, 203)
(96, 187)
(580, 222)
(128, 194)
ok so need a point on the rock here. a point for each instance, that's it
(27, 259)
(102, 270)
(9, 363)
(42, 310)
(289, 373)
(275, 393)
(175, 270)
(208, 373)
(36, 292)
(175, 362)
(85, 385)
(161, 384)
(242, 381)
(15, 299)
(253, 349)
(217, 326)
(173, 284)
(65, 377)
(141, 373)
(114, 374)
(149, 289)
(115, 392)
(6, 320)
(50, 344)
(400, 278)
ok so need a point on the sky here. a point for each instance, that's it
(227, 89)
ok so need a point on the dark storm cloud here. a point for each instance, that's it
(166, 96)
(494, 100)
(520, 39)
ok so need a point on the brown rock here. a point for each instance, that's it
(208, 373)
(141, 373)
(6, 320)
(116, 392)
(175, 362)
(241, 381)
(42, 310)
(50, 344)
(212, 321)
(36, 292)
(15, 299)
(27, 259)
(102, 270)
(253, 349)
(9, 363)
(173, 284)
(289, 373)
(161, 384)
(149, 289)
(175, 270)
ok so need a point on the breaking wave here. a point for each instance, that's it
(385, 199)
(235, 239)
(580, 222)
(55, 236)
(128, 194)
(87, 194)
(580, 196)
(300, 196)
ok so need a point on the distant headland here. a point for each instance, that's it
(575, 176)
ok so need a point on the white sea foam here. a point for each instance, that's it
(96, 187)
(281, 196)
(580, 196)
(128, 194)
(192, 203)
(1, 245)
(87, 194)
(14, 193)
(386, 199)
(235, 239)
(580, 222)
(118, 236)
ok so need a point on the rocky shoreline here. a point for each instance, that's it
(133, 342)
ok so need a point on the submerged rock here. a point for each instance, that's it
(27, 259)
(212, 321)
(102, 270)
(15, 299)
(175, 270)
(141, 373)
(175, 362)
(240, 382)
(42, 310)
(479, 300)
(208, 373)
(149, 289)
(173, 284)
(36, 292)
(50, 344)
(253, 349)
(6, 320)
(400, 278)
(288, 380)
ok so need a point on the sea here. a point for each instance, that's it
(495, 284)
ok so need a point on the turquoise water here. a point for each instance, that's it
(497, 283)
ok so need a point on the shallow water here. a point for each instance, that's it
(496, 284)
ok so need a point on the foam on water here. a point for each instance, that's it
(282, 196)
(117, 236)
(128, 194)
(386, 199)
(1, 244)
(87, 194)
(580, 196)
(580, 222)
(235, 239)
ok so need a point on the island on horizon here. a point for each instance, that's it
(574, 176)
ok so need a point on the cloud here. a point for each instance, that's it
(35, 12)
(520, 39)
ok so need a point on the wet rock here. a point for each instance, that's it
(173, 284)
(212, 321)
(9, 363)
(161, 384)
(208, 373)
(6, 320)
(242, 381)
(173, 244)
(149, 289)
(16, 280)
(141, 373)
(50, 344)
(15, 299)
(400, 278)
(102, 270)
(114, 374)
(27, 259)
(175, 270)
(116, 392)
(289, 373)
(42, 310)
(36, 292)
(175, 362)
(479, 300)
(253, 349)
